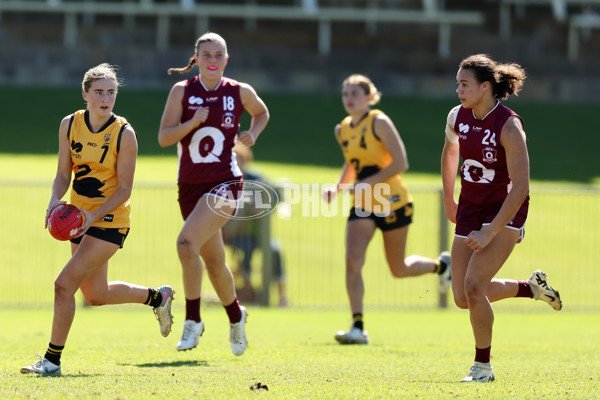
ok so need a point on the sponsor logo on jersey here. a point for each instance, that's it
(463, 128)
(212, 99)
(195, 100)
(477, 128)
(92, 144)
(108, 218)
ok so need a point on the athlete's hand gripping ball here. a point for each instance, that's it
(64, 221)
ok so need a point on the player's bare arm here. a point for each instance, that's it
(517, 161)
(389, 136)
(171, 129)
(64, 170)
(259, 112)
(450, 159)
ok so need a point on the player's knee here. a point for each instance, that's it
(399, 270)
(473, 290)
(92, 298)
(94, 301)
(353, 264)
(214, 262)
(461, 301)
(185, 247)
(61, 289)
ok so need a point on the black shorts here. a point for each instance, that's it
(111, 235)
(394, 220)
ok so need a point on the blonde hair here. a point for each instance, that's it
(102, 71)
(506, 79)
(365, 83)
(208, 37)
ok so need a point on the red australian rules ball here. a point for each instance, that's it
(64, 221)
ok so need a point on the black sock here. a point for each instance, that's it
(440, 267)
(357, 321)
(53, 353)
(154, 298)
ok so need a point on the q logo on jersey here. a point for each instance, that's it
(476, 172)
(206, 145)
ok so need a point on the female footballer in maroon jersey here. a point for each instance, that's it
(202, 116)
(494, 198)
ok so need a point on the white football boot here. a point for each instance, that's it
(353, 336)
(237, 334)
(479, 372)
(42, 367)
(163, 312)
(538, 282)
(192, 331)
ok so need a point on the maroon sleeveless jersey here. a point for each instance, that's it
(206, 153)
(484, 173)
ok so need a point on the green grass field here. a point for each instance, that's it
(118, 353)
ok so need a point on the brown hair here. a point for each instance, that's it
(102, 71)
(506, 79)
(365, 83)
(210, 37)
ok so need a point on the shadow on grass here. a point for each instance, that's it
(74, 375)
(190, 363)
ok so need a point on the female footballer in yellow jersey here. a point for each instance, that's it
(99, 150)
(375, 159)
(94, 158)
(367, 154)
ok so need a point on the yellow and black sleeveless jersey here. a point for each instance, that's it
(368, 155)
(94, 157)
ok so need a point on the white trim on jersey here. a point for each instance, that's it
(205, 88)
(451, 135)
(475, 116)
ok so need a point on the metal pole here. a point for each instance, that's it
(264, 237)
(443, 241)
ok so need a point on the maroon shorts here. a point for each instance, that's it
(471, 217)
(190, 193)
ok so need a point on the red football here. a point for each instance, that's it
(64, 221)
